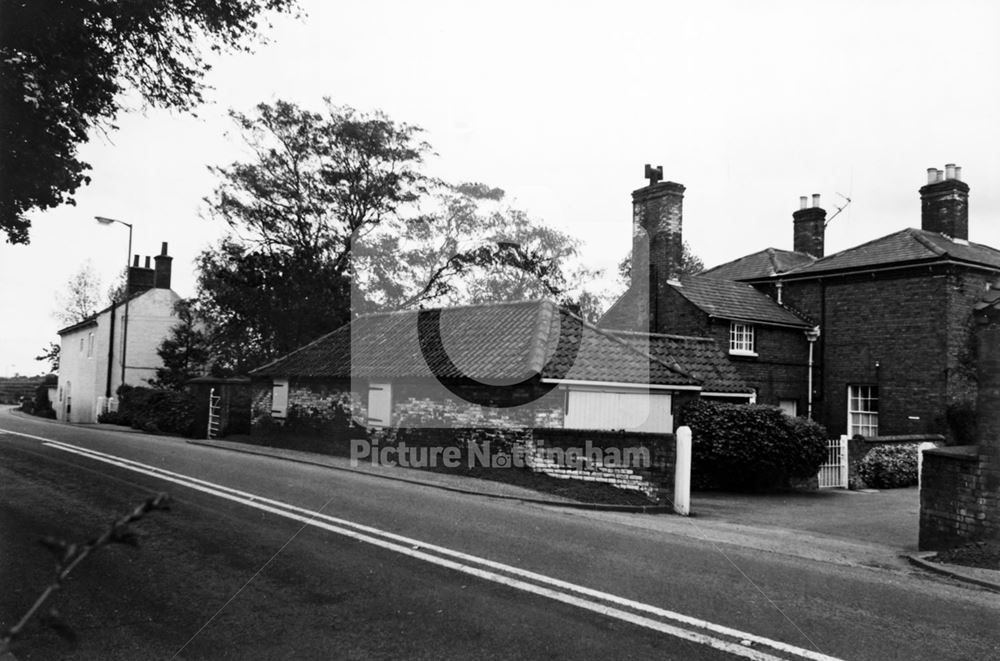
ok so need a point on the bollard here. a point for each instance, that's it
(682, 472)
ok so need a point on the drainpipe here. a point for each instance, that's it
(811, 336)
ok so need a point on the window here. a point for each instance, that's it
(741, 340)
(789, 407)
(862, 411)
(90, 346)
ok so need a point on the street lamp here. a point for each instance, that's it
(128, 294)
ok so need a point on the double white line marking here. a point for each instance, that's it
(688, 628)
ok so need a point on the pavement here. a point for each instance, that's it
(868, 528)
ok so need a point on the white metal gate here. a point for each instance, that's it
(213, 413)
(833, 473)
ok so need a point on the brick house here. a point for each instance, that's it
(92, 351)
(523, 364)
(886, 334)
(768, 344)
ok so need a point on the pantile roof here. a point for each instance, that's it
(700, 357)
(905, 246)
(762, 264)
(508, 341)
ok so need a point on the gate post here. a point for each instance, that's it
(682, 472)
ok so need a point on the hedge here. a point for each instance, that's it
(751, 446)
(153, 410)
(889, 466)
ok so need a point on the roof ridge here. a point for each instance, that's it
(540, 336)
(464, 306)
(917, 236)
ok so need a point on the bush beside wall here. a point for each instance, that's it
(751, 447)
(889, 466)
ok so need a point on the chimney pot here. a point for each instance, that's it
(161, 278)
(135, 261)
(815, 200)
(931, 175)
(944, 204)
(146, 265)
(803, 202)
(163, 248)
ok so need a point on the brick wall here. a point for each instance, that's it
(916, 324)
(781, 368)
(959, 498)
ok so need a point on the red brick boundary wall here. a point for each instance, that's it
(960, 486)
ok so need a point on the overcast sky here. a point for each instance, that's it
(748, 104)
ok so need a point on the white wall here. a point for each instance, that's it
(84, 377)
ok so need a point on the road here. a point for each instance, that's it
(261, 558)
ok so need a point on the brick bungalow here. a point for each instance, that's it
(523, 364)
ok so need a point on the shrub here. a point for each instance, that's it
(152, 410)
(750, 446)
(889, 466)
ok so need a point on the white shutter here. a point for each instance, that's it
(380, 404)
(279, 398)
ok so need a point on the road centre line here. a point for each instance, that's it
(420, 550)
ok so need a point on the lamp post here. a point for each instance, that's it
(128, 293)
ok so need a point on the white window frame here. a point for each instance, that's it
(742, 339)
(862, 410)
(789, 406)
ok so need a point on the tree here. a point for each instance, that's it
(184, 352)
(333, 216)
(471, 248)
(317, 181)
(691, 264)
(64, 67)
(81, 297)
(51, 354)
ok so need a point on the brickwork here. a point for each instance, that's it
(959, 498)
(960, 486)
(780, 369)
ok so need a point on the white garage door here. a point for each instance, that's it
(634, 411)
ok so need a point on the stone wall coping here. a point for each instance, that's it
(907, 438)
(958, 452)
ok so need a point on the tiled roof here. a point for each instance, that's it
(767, 262)
(509, 342)
(92, 319)
(738, 301)
(909, 245)
(698, 356)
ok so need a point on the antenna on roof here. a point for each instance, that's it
(839, 209)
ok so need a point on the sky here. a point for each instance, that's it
(749, 105)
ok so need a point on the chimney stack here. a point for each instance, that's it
(809, 225)
(161, 277)
(139, 278)
(657, 244)
(944, 203)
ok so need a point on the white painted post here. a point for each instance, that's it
(682, 472)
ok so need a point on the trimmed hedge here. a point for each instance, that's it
(889, 466)
(751, 446)
(152, 410)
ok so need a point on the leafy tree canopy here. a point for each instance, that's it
(64, 65)
(333, 215)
